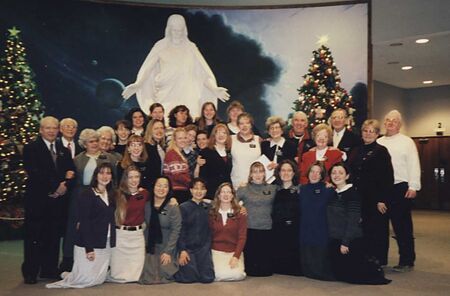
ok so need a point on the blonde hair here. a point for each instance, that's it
(173, 146)
(256, 166)
(148, 136)
(373, 123)
(320, 127)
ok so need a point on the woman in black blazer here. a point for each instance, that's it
(277, 148)
(373, 177)
(96, 233)
(155, 144)
(218, 165)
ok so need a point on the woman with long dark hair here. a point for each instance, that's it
(96, 233)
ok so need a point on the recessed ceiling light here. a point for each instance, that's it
(407, 68)
(422, 41)
(427, 81)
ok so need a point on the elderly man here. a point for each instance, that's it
(299, 135)
(68, 129)
(406, 164)
(343, 139)
(49, 167)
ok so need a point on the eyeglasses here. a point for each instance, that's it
(369, 131)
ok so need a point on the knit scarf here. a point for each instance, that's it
(154, 229)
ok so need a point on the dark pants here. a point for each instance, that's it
(376, 233)
(399, 210)
(199, 268)
(258, 251)
(41, 244)
(71, 230)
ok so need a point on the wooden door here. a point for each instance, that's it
(444, 172)
(427, 197)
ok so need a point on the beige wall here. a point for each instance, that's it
(421, 108)
(425, 108)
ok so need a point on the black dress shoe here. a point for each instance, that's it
(30, 280)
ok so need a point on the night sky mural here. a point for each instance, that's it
(83, 53)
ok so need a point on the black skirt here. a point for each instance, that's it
(354, 267)
(286, 249)
(257, 253)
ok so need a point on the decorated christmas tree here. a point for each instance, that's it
(20, 112)
(321, 92)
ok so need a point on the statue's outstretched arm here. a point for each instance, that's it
(143, 74)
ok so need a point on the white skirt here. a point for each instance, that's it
(222, 268)
(127, 259)
(85, 273)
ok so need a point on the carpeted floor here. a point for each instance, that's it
(430, 277)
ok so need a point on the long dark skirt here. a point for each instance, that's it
(286, 249)
(316, 262)
(199, 268)
(354, 267)
(376, 234)
(257, 251)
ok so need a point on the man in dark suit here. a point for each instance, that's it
(50, 168)
(299, 134)
(343, 139)
(68, 129)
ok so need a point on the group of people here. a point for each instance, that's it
(153, 202)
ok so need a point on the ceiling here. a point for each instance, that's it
(393, 21)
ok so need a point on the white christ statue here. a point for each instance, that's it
(175, 73)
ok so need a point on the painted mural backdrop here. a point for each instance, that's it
(83, 53)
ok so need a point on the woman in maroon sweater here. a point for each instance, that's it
(128, 257)
(229, 234)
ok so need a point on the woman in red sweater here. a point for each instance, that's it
(176, 166)
(324, 153)
(229, 234)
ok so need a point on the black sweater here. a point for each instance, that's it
(344, 215)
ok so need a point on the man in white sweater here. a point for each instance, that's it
(406, 164)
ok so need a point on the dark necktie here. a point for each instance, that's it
(53, 153)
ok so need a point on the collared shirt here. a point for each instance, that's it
(224, 214)
(72, 146)
(221, 151)
(48, 143)
(242, 140)
(347, 186)
(337, 137)
(280, 143)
